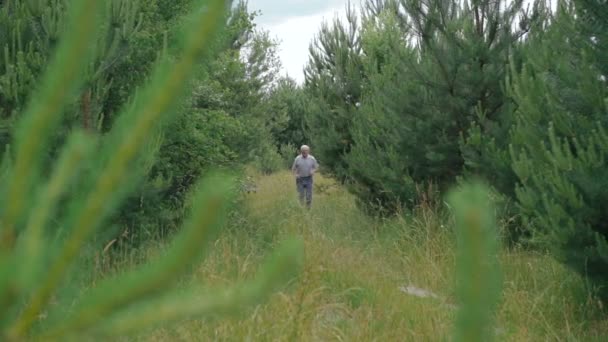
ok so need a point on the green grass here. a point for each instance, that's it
(354, 267)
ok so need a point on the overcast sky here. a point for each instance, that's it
(295, 23)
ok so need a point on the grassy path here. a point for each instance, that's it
(356, 270)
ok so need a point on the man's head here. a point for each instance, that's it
(304, 150)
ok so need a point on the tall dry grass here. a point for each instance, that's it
(357, 271)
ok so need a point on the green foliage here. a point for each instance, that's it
(284, 118)
(423, 92)
(36, 263)
(28, 31)
(222, 124)
(287, 109)
(225, 110)
(414, 78)
(288, 152)
(215, 123)
(39, 118)
(485, 144)
(559, 143)
(384, 161)
(33, 29)
(266, 158)
(477, 269)
(333, 77)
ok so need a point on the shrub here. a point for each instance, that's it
(216, 126)
(288, 152)
(266, 158)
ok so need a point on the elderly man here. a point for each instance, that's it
(304, 167)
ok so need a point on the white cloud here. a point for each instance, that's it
(295, 34)
(277, 11)
(296, 22)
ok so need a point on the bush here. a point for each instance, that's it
(266, 158)
(196, 141)
(217, 126)
(288, 153)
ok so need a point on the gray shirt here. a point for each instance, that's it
(303, 167)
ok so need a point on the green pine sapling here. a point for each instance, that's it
(477, 268)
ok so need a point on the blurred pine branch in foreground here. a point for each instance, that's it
(33, 269)
(478, 274)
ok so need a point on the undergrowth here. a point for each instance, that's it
(357, 272)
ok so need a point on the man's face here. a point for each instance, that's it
(304, 152)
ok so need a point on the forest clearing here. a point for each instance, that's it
(159, 162)
(354, 284)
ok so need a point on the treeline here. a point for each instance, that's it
(226, 121)
(405, 95)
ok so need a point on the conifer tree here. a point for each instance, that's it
(433, 70)
(333, 77)
(465, 50)
(383, 160)
(123, 23)
(30, 30)
(559, 142)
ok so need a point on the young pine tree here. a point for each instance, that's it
(333, 80)
(433, 70)
(559, 142)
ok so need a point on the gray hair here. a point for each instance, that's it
(304, 147)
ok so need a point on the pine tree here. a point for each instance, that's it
(465, 50)
(28, 32)
(124, 21)
(559, 142)
(333, 77)
(433, 69)
(384, 160)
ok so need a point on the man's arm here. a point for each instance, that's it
(315, 165)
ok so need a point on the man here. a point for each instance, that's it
(303, 168)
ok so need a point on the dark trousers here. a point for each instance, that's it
(304, 185)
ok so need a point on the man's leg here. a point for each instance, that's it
(301, 189)
(309, 192)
